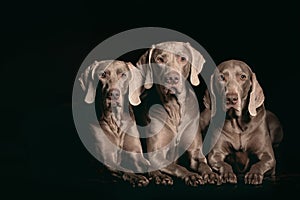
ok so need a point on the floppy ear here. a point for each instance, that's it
(206, 100)
(197, 61)
(88, 82)
(135, 86)
(144, 65)
(257, 96)
(209, 98)
(212, 96)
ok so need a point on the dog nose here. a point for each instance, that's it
(172, 77)
(231, 98)
(114, 94)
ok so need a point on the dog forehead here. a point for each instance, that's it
(118, 65)
(111, 66)
(177, 48)
(233, 67)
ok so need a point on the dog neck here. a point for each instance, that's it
(115, 117)
(244, 123)
(174, 104)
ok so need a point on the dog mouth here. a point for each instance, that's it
(111, 103)
(171, 90)
(233, 106)
(232, 111)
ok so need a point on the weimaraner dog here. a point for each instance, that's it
(249, 133)
(174, 125)
(116, 133)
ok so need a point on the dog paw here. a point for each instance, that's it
(208, 175)
(136, 180)
(162, 179)
(228, 177)
(193, 179)
(253, 178)
(211, 178)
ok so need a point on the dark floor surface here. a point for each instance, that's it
(284, 186)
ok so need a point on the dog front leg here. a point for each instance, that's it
(216, 160)
(256, 173)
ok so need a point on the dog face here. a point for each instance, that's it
(233, 84)
(170, 64)
(115, 79)
(170, 69)
(114, 83)
(236, 85)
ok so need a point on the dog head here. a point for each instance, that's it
(236, 85)
(170, 63)
(115, 78)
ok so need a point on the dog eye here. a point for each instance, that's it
(103, 75)
(182, 59)
(222, 77)
(243, 77)
(160, 59)
(124, 75)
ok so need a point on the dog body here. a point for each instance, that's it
(174, 126)
(116, 135)
(247, 137)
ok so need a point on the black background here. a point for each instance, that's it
(44, 43)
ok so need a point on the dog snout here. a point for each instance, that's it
(231, 98)
(172, 78)
(113, 94)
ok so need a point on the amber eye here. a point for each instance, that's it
(222, 77)
(160, 59)
(243, 77)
